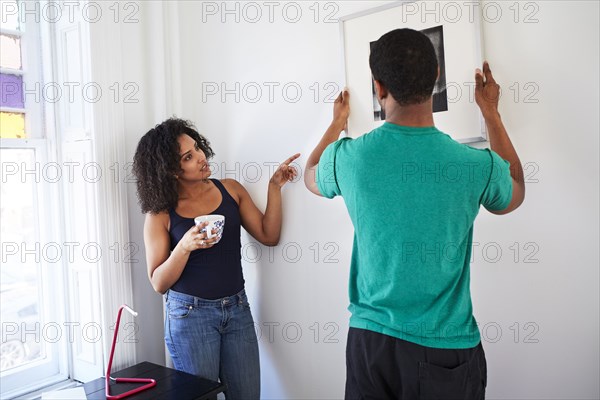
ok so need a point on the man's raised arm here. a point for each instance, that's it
(341, 110)
(487, 94)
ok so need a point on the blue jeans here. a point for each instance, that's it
(214, 339)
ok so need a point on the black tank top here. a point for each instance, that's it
(215, 272)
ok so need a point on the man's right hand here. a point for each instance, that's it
(487, 91)
(487, 94)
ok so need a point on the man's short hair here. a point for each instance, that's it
(404, 62)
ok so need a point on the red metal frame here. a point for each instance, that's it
(149, 382)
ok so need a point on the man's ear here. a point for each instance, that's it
(380, 90)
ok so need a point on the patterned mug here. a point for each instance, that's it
(216, 224)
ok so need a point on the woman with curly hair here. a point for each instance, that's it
(209, 329)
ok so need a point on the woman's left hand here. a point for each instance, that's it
(285, 173)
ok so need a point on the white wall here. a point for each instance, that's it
(146, 103)
(553, 301)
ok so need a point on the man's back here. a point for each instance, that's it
(413, 195)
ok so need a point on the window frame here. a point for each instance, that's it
(99, 137)
(54, 368)
(40, 136)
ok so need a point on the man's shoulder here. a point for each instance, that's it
(464, 150)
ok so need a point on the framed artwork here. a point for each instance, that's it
(456, 37)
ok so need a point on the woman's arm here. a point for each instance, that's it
(165, 267)
(266, 228)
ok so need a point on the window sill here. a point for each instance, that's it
(37, 395)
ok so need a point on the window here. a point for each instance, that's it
(61, 293)
(12, 116)
(33, 349)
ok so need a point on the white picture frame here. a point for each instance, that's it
(463, 52)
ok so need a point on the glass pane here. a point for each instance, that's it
(10, 57)
(9, 14)
(12, 125)
(20, 283)
(11, 91)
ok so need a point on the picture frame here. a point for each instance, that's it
(457, 37)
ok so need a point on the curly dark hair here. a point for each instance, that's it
(156, 162)
(404, 61)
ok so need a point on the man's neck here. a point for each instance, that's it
(415, 115)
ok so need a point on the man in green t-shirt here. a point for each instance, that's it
(412, 194)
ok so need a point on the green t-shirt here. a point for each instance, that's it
(413, 195)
